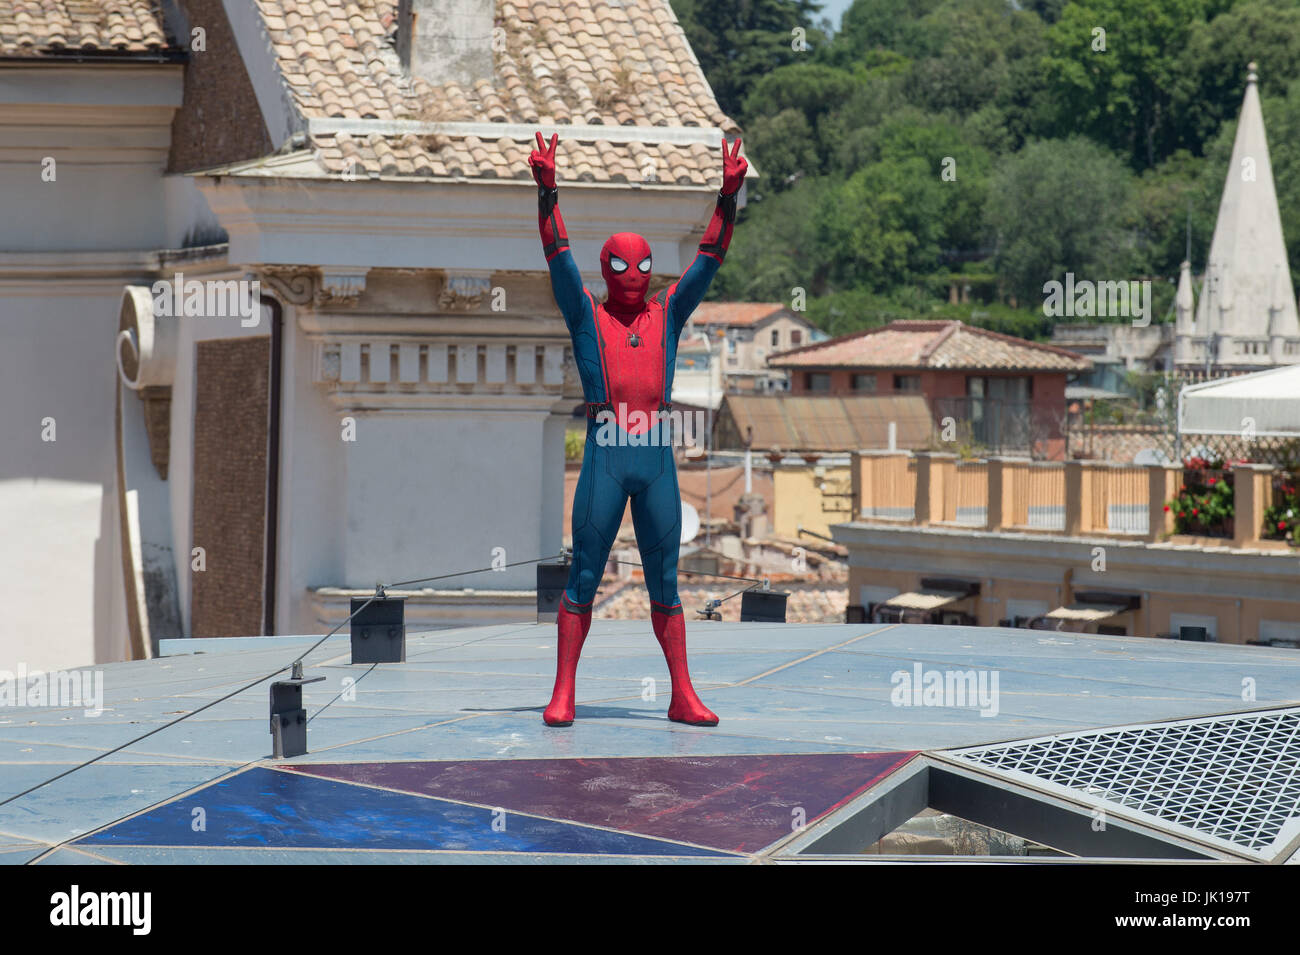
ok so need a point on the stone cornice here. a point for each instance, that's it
(427, 608)
(452, 303)
(1030, 544)
(292, 284)
(1223, 572)
(88, 94)
(710, 136)
(422, 327)
(332, 287)
(340, 287)
(48, 274)
(463, 226)
(465, 291)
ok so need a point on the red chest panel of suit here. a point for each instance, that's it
(632, 354)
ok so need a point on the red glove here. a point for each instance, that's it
(733, 169)
(542, 162)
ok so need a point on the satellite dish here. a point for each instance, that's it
(1150, 456)
(690, 523)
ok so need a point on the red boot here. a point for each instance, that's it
(685, 707)
(572, 633)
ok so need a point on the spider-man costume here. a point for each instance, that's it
(625, 350)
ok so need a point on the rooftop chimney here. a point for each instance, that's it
(447, 41)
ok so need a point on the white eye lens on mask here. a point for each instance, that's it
(617, 264)
(644, 265)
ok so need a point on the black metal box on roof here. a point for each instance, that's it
(763, 606)
(379, 630)
(552, 578)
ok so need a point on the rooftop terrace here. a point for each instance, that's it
(445, 759)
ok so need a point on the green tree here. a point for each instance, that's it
(788, 147)
(812, 88)
(971, 47)
(1059, 206)
(883, 226)
(739, 42)
(1212, 68)
(1168, 199)
(841, 313)
(792, 116)
(1068, 156)
(945, 147)
(1121, 95)
(1048, 10)
(880, 25)
(774, 251)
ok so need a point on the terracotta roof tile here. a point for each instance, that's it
(828, 423)
(734, 313)
(36, 27)
(931, 344)
(593, 63)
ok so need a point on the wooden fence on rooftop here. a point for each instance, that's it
(1013, 494)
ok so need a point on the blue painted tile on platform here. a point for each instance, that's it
(90, 797)
(518, 735)
(16, 751)
(242, 646)
(163, 855)
(706, 667)
(20, 856)
(772, 638)
(239, 735)
(267, 808)
(1091, 694)
(1209, 676)
(66, 855)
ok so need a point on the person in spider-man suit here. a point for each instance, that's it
(625, 350)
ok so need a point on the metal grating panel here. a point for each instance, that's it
(1233, 778)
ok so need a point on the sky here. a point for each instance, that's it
(834, 9)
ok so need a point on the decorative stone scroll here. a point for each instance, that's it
(464, 293)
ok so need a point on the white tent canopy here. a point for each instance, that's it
(926, 599)
(1265, 404)
(1088, 613)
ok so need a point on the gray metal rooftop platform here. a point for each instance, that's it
(830, 737)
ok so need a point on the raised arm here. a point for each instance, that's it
(689, 290)
(566, 281)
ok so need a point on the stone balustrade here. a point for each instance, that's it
(1072, 498)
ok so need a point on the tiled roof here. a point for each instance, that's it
(734, 313)
(806, 603)
(613, 64)
(824, 423)
(35, 27)
(931, 344)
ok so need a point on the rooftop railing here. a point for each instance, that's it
(1073, 498)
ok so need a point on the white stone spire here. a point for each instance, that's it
(1184, 317)
(1246, 300)
(1183, 301)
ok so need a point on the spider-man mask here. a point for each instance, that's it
(625, 263)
